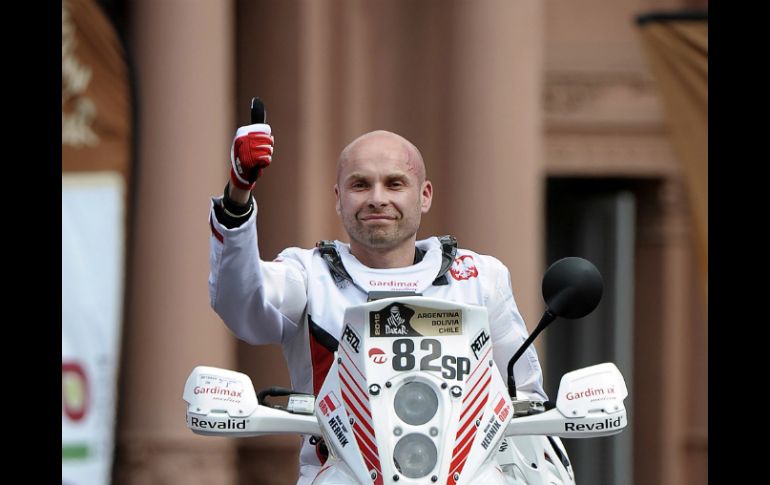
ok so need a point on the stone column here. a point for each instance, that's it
(663, 309)
(183, 55)
(495, 191)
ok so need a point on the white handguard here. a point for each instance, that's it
(589, 404)
(222, 402)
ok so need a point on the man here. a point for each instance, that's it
(298, 299)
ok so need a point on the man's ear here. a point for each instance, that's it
(337, 205)
(426, 195)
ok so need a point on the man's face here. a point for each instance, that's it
(380, 195)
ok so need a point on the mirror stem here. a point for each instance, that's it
(547, 318)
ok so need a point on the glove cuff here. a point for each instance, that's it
(240, 182)
(258, 127)
(230, 213)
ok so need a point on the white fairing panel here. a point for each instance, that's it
(584, 390)
(439, 355)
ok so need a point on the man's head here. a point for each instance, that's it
(381, 191)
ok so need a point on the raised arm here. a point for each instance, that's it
(260, 302)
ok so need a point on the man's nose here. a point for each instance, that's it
(378, 196)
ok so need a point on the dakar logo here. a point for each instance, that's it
(377, 355)
(464, 268)
(395, 323)
(394, 319)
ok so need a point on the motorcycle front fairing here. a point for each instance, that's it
(413, 396)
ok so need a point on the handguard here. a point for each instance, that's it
(589, 404)
(222, 402)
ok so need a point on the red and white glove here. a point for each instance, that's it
(251, 152)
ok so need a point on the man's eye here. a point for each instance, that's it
(358, 185)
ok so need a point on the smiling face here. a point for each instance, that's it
(381, 192)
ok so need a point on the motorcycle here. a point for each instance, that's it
(413, 396)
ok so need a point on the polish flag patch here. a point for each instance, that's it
(328, 404)
(464, 268)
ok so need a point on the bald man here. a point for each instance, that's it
(298, 300)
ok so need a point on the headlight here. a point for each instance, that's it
(415, 403)
(415, 455)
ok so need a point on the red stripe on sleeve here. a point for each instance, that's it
(216, 233)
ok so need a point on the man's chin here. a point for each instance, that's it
(382, 236)
(379, 238)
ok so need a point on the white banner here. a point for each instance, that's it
(93, 235)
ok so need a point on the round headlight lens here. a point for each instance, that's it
(415, 403)
(415, 455)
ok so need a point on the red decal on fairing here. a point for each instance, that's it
(502, 408)
(377, 356)
(464, 268)
(328, 404)
(356, 403)
(499, 405)
(472, 410)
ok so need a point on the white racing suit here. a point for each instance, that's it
(298, 301)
